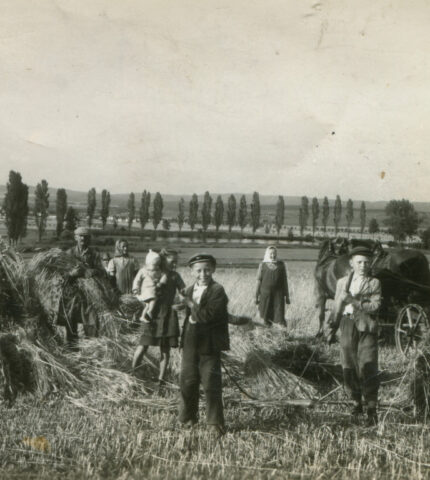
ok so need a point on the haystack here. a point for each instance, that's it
(32, 348)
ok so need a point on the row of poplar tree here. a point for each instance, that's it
(16, 211)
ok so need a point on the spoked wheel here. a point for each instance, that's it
(412, 326)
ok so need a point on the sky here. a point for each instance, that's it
(283, 97)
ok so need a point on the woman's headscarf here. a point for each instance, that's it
(267, 258)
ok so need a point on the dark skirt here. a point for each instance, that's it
(272, 306)
(148, 338)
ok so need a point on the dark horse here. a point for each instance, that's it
(401, 272)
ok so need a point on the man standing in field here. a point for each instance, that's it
(90, 265)
(357, 300)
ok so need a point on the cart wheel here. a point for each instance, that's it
(412, 325)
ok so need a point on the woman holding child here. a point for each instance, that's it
(160, 325)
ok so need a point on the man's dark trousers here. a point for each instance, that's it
(359, 357)
(196, 368)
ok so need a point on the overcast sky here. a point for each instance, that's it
(291, 97)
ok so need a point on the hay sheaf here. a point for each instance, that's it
(58, 294)
(251, 362)
(34, 358)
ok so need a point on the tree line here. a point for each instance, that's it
(401, 217)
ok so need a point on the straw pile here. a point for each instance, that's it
(32, 349)
(253, 363)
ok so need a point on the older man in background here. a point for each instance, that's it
(90, 265)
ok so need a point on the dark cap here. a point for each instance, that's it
(202, 257)
(363, 251)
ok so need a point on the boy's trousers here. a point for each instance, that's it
(359, 357)
(199, 368)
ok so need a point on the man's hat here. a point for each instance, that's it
(82, 231)
(202, 257)
(363, 251)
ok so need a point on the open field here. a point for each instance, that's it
(138, 436)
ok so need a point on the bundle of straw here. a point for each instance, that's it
(14, 285)
(251, 363)
(58, 294)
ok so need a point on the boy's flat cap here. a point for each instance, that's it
(202, 257)
(363, 251)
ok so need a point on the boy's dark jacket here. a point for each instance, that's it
(211, 317)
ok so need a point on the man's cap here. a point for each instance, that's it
(202, 257)
(105, 256)
(82, 231)
(363, 251)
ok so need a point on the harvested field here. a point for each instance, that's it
(93, 419)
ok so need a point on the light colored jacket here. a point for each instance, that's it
(366, 304)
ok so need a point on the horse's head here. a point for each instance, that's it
(327, 249)
(342, 246)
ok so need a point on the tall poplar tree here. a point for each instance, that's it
(41, 205)
(362, 217)
(280, 214)
(325, 213)
(255, 211)
(181, 213)
(91, 205)
(206, 211)
(349, 214)
(231, 212)
(104, 211)
(193, 211)
(157, 212)
(315, 208)
(60, 209)
(15, 206)
(242, 217)
(337, 213)
(131, 209)
(145, 203)
(219, 213)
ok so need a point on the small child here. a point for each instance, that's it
(204, 336)
(148, 282)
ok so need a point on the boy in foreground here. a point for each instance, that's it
(205, 335)
(357, 300)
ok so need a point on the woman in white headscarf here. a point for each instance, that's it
(272, 294)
